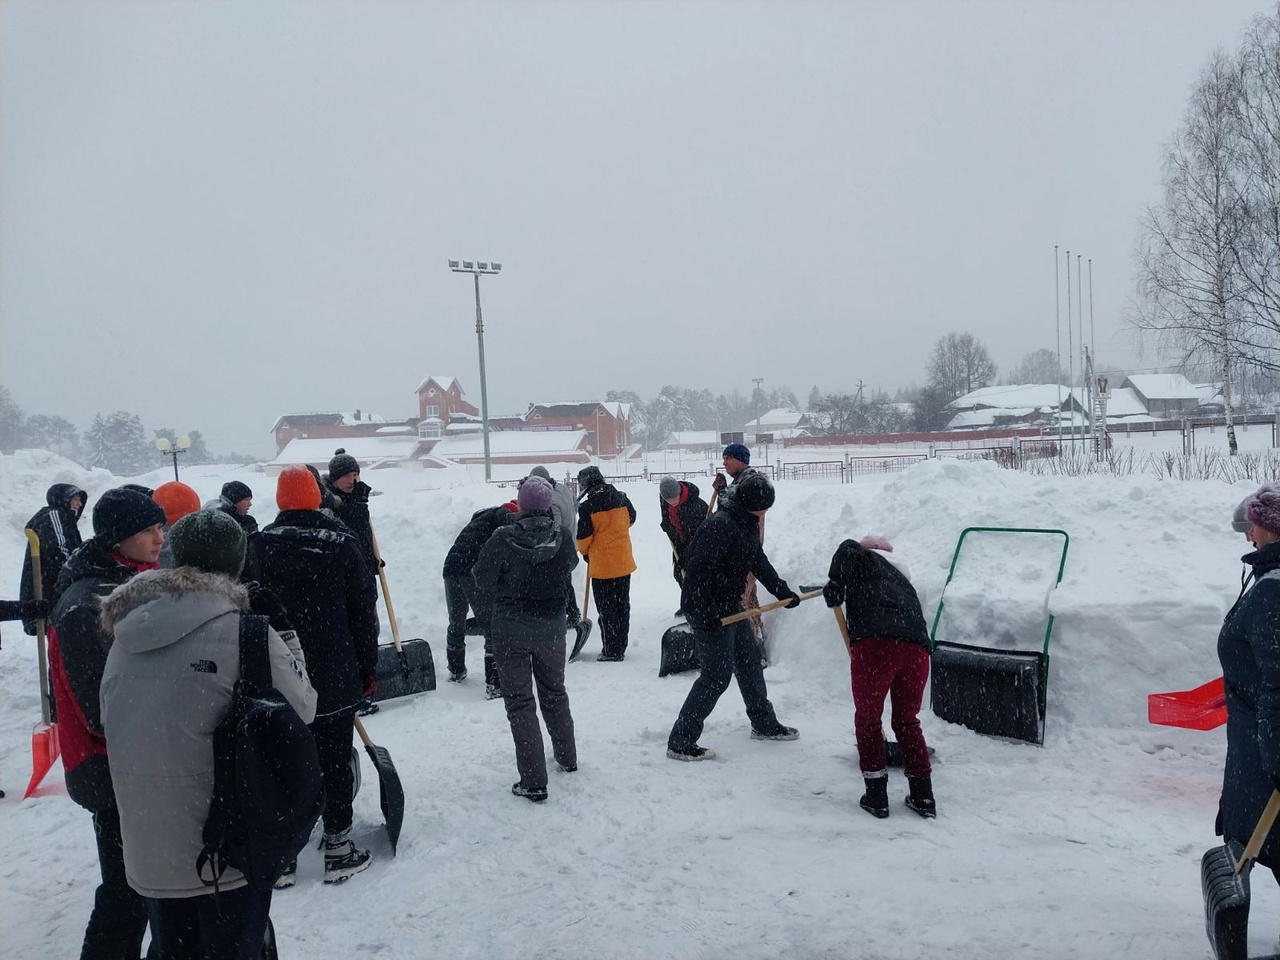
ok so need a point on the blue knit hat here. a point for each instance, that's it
(738, 451)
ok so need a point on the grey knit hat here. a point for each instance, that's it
(668, 488)
(210, 540)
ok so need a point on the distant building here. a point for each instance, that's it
(693, 441)
(782, 423)
(1027, 404)
(1168, 396)
(443, 409)
(606, 423)
(311, 426)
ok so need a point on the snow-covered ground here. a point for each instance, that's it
(1086, 847)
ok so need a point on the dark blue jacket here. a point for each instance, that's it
(55, 525)
(1249, 650)
(524, 565)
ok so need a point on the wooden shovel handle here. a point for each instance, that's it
(843, 624)
(1260, 832)
(37, 590)
(586, 594)
(712, 505)
(386, 592)
(755, 611)
(364, 734)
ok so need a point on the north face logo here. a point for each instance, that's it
(204, 666)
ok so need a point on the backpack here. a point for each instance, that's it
(267, 788)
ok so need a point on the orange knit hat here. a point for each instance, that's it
(177, 500)
(296, 489)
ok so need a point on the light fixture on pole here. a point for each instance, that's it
(173, 449)
(475, 268)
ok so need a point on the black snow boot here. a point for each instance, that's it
(876, 800)
(921, 798)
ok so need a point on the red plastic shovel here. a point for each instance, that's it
(44, 738)
(1203, 708)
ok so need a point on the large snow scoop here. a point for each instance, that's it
(1224, 881)
(1203, 708)
(390, 792)
(403, 669)
(583, 627)
(991, 690)
(44, 737)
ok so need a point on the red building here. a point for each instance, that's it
(607, 423)
(313, 426)
(441, 402)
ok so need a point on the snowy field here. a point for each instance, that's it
(1087, 847)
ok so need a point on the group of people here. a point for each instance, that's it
(144, 623)
(143, 645)
(510, 568)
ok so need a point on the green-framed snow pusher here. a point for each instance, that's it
(996, 691)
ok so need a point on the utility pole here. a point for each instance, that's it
(757, 381)
(475, 268)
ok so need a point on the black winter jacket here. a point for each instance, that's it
(716, 563)
(690, 513)
(464, 553)
(525, 564)
(249, 524)
(56, 526)
(87, 577)
(353, 510)
(1249, 650)
(879, 600)
(315, 568)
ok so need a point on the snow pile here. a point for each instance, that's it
(1085, 847)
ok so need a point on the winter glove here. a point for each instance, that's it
(266, 604)
(718, 483)
(789, 595)
(370, 684)
(832, 594)
(36, 609)
(360, 492)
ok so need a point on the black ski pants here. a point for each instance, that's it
(229, 925)
(457, 600)
(725, 653)
(333, 734)
(119, 917)
(613, 600)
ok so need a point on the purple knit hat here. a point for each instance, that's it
(534, 494)
(1263, 509)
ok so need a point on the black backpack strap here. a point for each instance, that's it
(255, 660)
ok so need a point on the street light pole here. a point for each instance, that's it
(757, 381)
(175, 448)
(476, 268)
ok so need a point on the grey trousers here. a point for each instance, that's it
(522, 664)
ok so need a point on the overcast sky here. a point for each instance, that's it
(215, 213)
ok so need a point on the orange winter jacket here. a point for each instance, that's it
(605, 517)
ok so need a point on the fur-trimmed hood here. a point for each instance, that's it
(160, 607)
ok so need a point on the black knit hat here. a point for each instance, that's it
(121, 512)
(342, 464)
(233, 491)
(589, 477)
(754, 493)
(138, 488)
(210, 540)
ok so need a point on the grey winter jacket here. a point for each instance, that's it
(168, 681)
(524, 565)
(564, 508)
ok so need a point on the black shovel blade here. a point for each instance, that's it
(390, 793)
(404, 672)
(1226, 902)
(583, 629)
(679, 650)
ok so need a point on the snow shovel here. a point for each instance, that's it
(390, 792)
(44, 738)
(583, 627)
(1224, 881)
(756, 611)
(403, 669)
(679, 649)
(1203, 708)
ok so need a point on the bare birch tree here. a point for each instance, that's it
(1191, 292)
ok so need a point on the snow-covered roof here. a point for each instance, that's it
(399, 429)
(1016, 395)
(564, 408)
(779, 418)
(973, 418)
(1125, 402)
(365, 449)
(332, 418)
(692, 438)
(443, 382)
(1164, 386)
(509, 443)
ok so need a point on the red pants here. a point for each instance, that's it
(898, 669)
